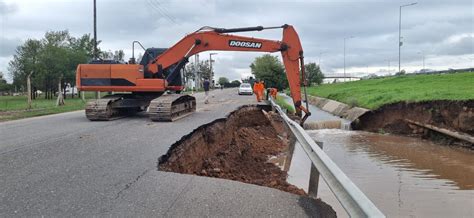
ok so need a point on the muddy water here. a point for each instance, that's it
(403, 176)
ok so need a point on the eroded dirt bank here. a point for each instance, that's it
(393, 118)
(236, 148)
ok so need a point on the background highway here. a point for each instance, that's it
(66, 165)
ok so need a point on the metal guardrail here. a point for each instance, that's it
(347, 193)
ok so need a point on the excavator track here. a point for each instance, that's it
(102, 110)
(171, 107)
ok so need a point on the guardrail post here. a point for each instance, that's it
(314, 178)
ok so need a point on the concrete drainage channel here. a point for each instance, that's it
(252, 145)
(244, 147)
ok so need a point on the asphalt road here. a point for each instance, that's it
(65, 165)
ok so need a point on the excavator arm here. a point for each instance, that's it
(218, 39)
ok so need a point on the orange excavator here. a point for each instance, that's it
(143, 85)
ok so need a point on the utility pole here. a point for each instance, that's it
(97, 94)
(400, 34)
(95, 31)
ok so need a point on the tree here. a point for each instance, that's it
(4, 86)
(401, 73)
(83, 44)
(53, 60)
(313, 74)
(204, 70)
(223, 80)
(235, 83)
(24, 64)
(56, 60)
(25, 60)
(115, 55)
(269, 69)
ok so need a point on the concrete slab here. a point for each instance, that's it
(337, 108)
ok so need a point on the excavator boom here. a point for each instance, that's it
(216, 39)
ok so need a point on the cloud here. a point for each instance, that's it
(322, 25)
(7, 8)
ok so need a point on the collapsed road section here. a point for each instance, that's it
(237, 148)
(427, 119)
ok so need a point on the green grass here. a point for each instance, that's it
(284, 104)
(15, 107)
(374, 93)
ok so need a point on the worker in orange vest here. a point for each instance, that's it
(273, 92)
(256, 90)
(262, 90)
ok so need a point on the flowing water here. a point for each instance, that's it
(403, 176)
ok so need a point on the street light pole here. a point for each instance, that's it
(345, 55)
(423, 61)
(320, 55)
(423, 58)
(388, 61)
(210, 68)
(400, 34)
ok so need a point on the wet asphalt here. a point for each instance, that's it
(65, 165)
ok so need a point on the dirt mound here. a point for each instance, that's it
(452, 115)
(236, 148)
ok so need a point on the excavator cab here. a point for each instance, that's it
(148, 57)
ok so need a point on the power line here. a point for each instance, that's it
(165, 10)
(158, 9)
(155, 10)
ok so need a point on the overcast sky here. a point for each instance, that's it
(442, 31)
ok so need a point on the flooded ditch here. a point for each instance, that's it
(403, 176)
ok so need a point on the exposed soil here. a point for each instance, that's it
(453, 115)
(236, 148)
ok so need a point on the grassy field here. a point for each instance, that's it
(284, 104)
(14, 107)
(374, 93)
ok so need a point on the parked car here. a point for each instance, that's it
(245, 89)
